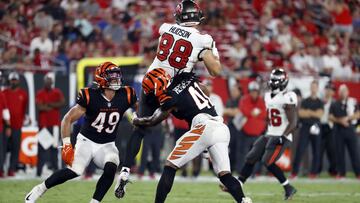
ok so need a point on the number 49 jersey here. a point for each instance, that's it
(188, 100)
(102, 116)
(180, 48)
(277, 119)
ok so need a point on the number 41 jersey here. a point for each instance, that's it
(188, 100)
(180, 48)
(277, 119)
(102, 116)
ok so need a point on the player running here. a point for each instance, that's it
(186, 100)
(103, 108)
(282, 120)
(181, 46)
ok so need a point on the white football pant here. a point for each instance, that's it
(206, 133)
(85, 150)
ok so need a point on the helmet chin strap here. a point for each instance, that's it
(189, 24)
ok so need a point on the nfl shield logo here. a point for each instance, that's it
(109, 104)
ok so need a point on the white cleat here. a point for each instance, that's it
(35, 193)
(120, 187)
(246, 200)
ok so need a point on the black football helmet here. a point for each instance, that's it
(278, 80)
(188, 13)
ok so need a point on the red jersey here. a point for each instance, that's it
(255, 125)
(52, 117)
(3, 105)
(17, 106)
(343, 17)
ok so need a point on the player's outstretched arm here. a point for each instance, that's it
(71, 116)
(158, 116)
(212, 63)
(292, 116)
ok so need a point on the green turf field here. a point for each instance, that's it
(327, 191)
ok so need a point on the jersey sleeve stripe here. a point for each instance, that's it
(198, 56)
(87, 95)
(275, 154)
(128, 93)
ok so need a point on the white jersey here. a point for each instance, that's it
(180, 48)
(276, 113)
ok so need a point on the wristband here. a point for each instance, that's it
(66, 140)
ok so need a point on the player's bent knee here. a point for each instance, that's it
(113, 158)
(79, 170)
(222, 173)
(110, 169)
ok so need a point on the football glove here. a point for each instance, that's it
(67, 152)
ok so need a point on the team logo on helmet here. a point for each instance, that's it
(108, 75)
(278, 80)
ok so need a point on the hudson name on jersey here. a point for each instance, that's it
(277, 119)
(180, 48)
(188, 100)
(102, 116)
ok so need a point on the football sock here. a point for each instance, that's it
(133, 147)
(233, 186)
(60, 177)
(246, 171)
(94, 201)
(278, 173)
(165, 184)
(105, 181)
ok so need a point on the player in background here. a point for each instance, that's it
(282, 119)
(103, 108)
(181, 46)
(186, 100)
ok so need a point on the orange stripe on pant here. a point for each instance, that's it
(184, 145)
(275, 154)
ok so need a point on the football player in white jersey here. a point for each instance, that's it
(181, 46)
(282, 120)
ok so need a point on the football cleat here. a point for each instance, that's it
(35, 193)
(289, 192)
(120, 187)
(246, 200)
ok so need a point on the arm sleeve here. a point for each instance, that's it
(207, 43)
(162, 28)
(81, 98)
(291, 98)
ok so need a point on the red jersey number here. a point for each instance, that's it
(180, 51)
(274, 116)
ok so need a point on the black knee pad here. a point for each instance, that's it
(110, 169)
(253, 156)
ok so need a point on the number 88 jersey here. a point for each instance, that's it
(180, 48)
(102, 116)
(275, 105)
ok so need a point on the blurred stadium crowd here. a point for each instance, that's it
(306, 37)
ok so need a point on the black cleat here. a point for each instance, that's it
(289, 192)
(121, 189)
